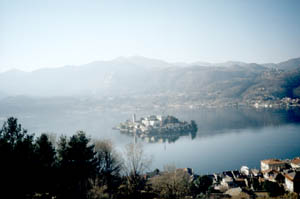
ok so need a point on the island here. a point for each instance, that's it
(157, 128)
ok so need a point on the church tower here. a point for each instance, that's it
(133, 118)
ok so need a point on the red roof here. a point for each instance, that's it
(272, 161)
(296, 161)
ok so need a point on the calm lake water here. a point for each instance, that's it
(226, 138)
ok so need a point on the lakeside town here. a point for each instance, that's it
(259, 102)
(193, 101)
(275, 179)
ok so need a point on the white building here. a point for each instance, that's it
(245, 170)
(227, 181)
(295, 163)
(292, 181)
(133, 118)
(161, 118)
(146, 122)
(154, 123)
(272, 164)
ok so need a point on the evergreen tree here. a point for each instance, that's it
(77, 165)
(45, 162)
(17, 165)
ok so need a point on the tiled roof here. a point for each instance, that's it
(272, 161)
(296, 161)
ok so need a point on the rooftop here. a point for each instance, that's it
(296, 161)
(272, 161)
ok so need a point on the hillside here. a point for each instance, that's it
(138, 76)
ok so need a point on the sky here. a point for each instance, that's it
(52, 33)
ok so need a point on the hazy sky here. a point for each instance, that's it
(51, 33)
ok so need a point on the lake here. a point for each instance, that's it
(226, 138)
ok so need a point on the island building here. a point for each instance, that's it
(157, 128)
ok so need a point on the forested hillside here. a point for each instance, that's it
(141, 76)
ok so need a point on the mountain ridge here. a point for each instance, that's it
(144, 76)
(141, 60)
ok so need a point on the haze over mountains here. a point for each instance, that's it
(138, 76)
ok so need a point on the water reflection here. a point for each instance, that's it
(212, 122)
(67, 117)
(157, 128)
(226, 138)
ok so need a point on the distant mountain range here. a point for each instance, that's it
(144, 76)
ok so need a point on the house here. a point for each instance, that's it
(274, 176)
(292, 181)
(295, 163)
(227, 181)
(236, 174)
(255, 172)
(227, 173)
(245, 170)
(273, 164)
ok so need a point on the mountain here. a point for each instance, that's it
(102, 76)
(140, 76)
(289, 65)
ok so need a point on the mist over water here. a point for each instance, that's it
(226, 139)
(79, 77)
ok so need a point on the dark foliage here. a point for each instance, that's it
(273, 188)
(201, 185)
(77, 164)
(31, 169)
(77, 169)
(45, 166)
(17, 160)
(109, 166)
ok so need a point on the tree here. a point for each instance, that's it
(201, 185)
(172, 183)
(109, 165)
(12, 132)
(135, 163)
(45, 156)
(77, 165)
(16, 148)
(273, 188)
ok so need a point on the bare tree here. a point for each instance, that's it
(109, 168)
(136, 162)
(172, 183)
(110, 163)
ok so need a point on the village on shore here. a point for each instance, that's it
(275, 178)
